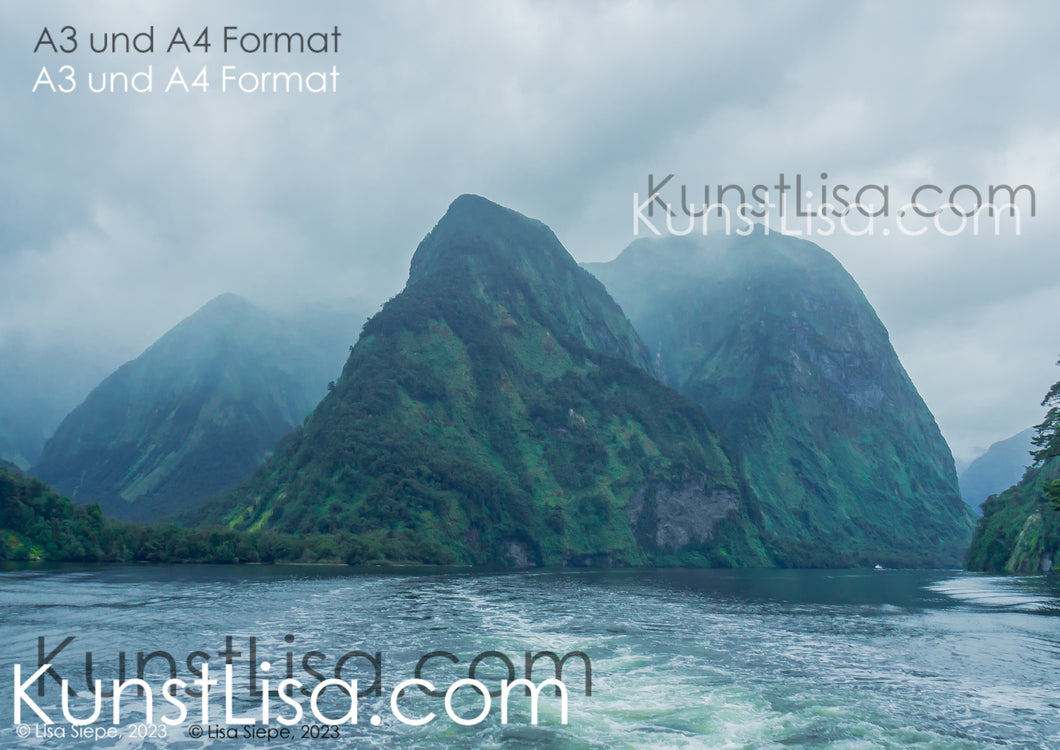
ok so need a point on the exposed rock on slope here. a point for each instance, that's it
(777, 343)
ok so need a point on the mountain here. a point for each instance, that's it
(999, 468)
(193, 415)
(1019, 531)
(500, 410)
(779, 345)
(40, 384)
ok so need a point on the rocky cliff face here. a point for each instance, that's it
(499, 410)
(777, 343)
(672, 515)
(1020, 530)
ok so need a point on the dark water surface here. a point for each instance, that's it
(680, 658)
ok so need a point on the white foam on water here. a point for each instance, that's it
(995, 592)
(672, 668)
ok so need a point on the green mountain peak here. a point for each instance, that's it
(778, 344)
(486, 252)
(499, 409)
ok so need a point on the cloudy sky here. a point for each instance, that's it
(125, 212)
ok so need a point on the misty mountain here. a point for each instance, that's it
(1000, 467)
(499, 410)
(198, 411)
(778, 344)
(40, 384)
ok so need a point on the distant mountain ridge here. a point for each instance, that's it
(778, 344)
(1000, 467)
(193, 415)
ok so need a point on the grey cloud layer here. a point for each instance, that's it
(123, 214)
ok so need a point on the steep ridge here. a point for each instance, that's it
(778, 344)
(499, 410)
(193, 415)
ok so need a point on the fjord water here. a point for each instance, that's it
(680, 658)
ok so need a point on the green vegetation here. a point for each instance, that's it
(1020, 528)
(1047, 434)
(502, 410)
(193, 416)
(777, 343)
(1052, 490)
(36, 524)
(498, 410)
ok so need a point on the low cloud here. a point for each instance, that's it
(124, 213)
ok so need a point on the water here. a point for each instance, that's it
(697, 659)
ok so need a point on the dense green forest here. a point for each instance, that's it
(1020, 528)
(36, 524)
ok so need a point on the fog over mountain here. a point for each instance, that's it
(997, 469)
(199, 410)
(124, 213)
(774, 339)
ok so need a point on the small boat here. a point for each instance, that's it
(878, 567)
